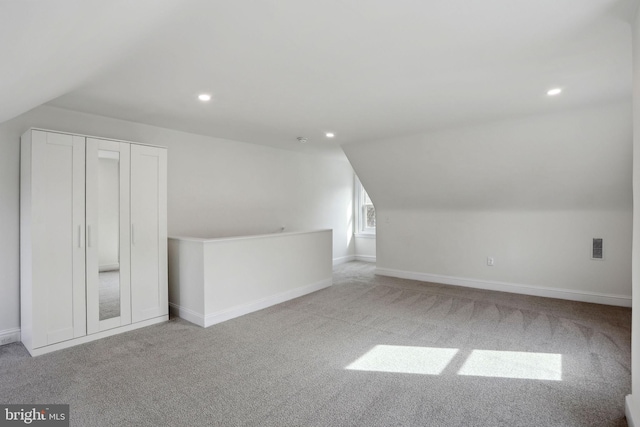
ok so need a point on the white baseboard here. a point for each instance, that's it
(9, 335)
(186, 314)
(629, 411)
(210, 319)
(582, 296)
(92, 337)
(221, 316)
(343, 259)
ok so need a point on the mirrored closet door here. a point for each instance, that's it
(107, 234)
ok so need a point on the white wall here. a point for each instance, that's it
(365, 248)
(531, 192)
(216, 188)
(549, 249)
(633, 401)
(218, 279)
(9, 229)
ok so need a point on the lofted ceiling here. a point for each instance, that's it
(279, 69)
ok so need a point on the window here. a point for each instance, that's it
(366, 212)
(369, 212)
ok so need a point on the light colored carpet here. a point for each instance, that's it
(285, 365)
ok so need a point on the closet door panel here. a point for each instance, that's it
(107, 213)
(58, 262)
(149, 294)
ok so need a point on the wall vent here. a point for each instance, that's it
(596, 249)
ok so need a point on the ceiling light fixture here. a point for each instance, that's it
(301, 139)
(330, 134)
(204, 97)
(554, 91)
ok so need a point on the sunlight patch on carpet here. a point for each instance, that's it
(513, 364)
(404, 359)
(479, 363)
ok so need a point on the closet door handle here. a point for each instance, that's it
(80, 236)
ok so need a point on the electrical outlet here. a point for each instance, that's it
(490, 261)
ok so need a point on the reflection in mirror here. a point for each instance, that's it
(109, 233)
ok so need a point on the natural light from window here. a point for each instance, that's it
(349, 223)
(479, 363)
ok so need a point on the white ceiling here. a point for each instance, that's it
(278, 69)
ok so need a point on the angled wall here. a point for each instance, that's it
(530, 192)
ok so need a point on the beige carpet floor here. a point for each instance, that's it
(368, 351)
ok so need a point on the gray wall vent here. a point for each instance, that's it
(596, 249)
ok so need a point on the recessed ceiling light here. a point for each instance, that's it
(554, 91)
(330, 134)
(204, 97)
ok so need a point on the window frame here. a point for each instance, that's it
(361, 219)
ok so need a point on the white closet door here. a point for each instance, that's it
(149, 293)
(57, 225)
(108, 249)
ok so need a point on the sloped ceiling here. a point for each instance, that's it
(278, 69)
(572, 160)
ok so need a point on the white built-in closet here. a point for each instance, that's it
(93, 237)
